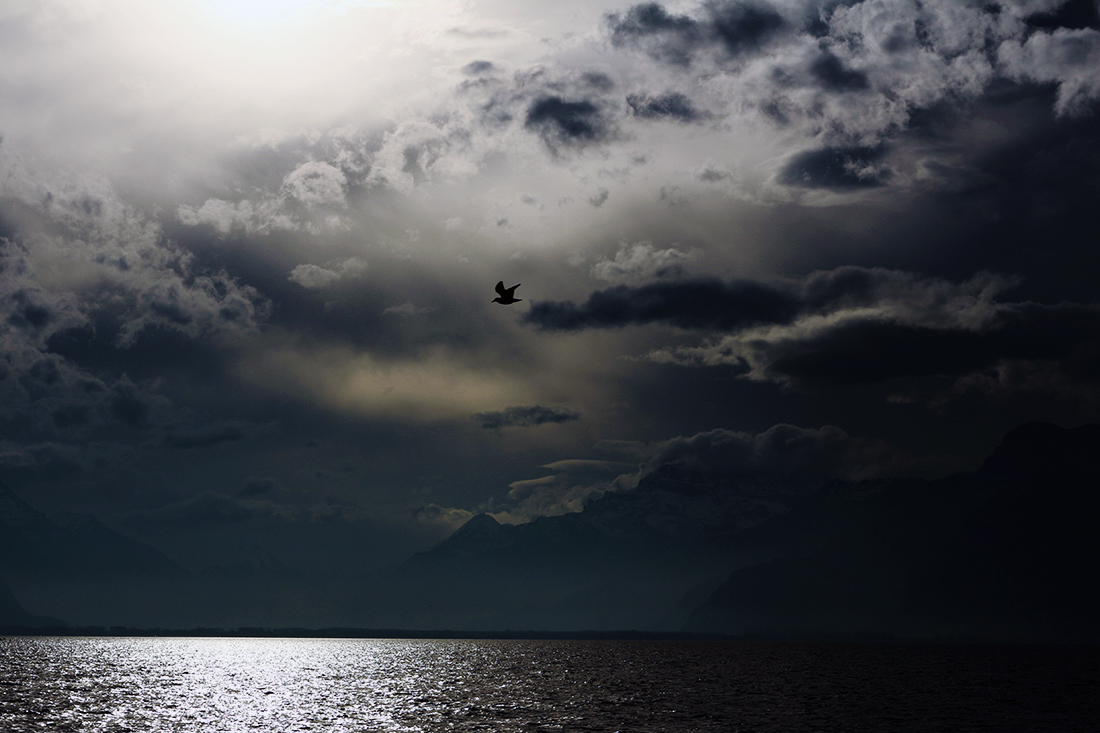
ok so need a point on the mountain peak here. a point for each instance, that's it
(1044, 448)
(16, 513)
(478, 524)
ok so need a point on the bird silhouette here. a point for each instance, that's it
(507, 295)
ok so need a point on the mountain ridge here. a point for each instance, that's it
(899, 557)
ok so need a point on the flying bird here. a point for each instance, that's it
(507, 295)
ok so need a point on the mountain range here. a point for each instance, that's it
(1007, 552)
(68, 562)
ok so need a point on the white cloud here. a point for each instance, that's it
(1069, 58)
(316, 184)
(314, 276)
(634, 262)
(408, 308)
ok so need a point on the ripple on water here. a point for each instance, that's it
(225, 684)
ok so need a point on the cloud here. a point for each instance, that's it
(449, 518)
(666, 37)
(573, 484)
(841, 168)
(433, 384)
(743, 26)
(670, 105)
(524, 417)
(839, 351)
(854, 79)
(316, 184)
(846, 326)
(734, 28)
(716, 305)
(85, 254)
(832, 74)
(785, 450)
(421, 151)
(256, 486)
(688, 304)
(803, 454)
(53, 459)
(408, 308)
(316, 277)
(568, 123)
(207, 436)
(640, 261)
(477, 68)
(711, 172)
(600, 198)
(285, 193)
(210, 508)
(1066, 57)
(859, 326)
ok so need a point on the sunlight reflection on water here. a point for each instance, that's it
(237, 684)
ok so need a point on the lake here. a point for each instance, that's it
(248, 684)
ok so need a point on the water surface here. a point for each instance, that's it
(239, 684)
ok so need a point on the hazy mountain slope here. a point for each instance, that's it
(1005, 553)
(623, 562)
(13, 614)
(34, 547)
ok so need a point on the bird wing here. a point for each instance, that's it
(500, 288)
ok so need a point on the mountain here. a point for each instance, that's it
(68, 546)
(13, 614)
(1009, 552)
(622, 562)
(252, 562)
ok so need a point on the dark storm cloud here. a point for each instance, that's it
(1074, 14)
(208, 508)
(256, 486)
(666, 37)
(854, 326)
(29, 311)
(524, 417)
(869, 75)
(716, 305)
(832, 74)
(340, 302)
(79, 358)
(64, 461)
(705, 304)
(864, 351)
(839, 168)
(128, 405)
(476, 68)
(206, 436)
(598, 81)
(567, 122)
(744, 26)
(735, 28)
(782, 449)
(45, 396)
(671, 105)
(600, 198)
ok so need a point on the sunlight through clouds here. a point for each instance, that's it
(435, 387)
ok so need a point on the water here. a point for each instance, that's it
(227, 684)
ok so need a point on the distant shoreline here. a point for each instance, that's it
(248, 632)
(357, 633)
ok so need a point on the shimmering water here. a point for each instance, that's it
(226, 684)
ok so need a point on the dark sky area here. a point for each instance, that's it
(248, 252)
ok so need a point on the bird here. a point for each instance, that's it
(507, 295)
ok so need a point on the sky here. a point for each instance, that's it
(248, 252)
